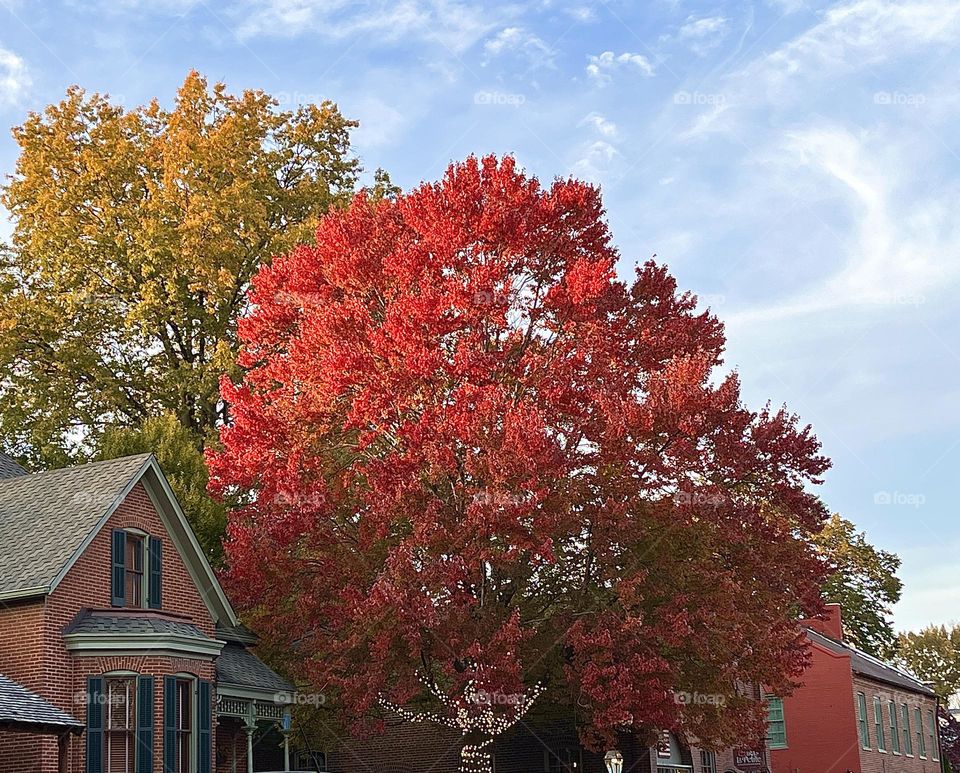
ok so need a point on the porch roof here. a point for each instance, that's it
(239, 667)
(21, 709)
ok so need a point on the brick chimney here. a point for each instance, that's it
(831, 625)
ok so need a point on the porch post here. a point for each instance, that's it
(63, 741)
(286, 728)
(250, 725)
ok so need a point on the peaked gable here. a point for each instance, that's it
(45, 516)
(47, 520)
(9, 468)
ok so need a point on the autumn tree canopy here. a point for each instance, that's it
(136, 232)
(476, 464)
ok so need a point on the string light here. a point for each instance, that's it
(471, 714)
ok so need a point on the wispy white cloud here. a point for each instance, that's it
(14, 77)
(704, 33)
(517, 40)
(902, 247)
(456, 25)
(600, 123)
(602, 67)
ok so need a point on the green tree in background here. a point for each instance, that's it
(864, 582)
(184, 467)
(135, 236)
(933, 654)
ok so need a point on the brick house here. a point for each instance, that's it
(119, 651)
(853, 713)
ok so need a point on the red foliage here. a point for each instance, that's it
(470, 450)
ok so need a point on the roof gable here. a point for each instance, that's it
(9, 468)
(870, 667)
(45, 516)
(48, 519)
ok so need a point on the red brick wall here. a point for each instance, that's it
(874, 761)
(33, 651)
(820, 721)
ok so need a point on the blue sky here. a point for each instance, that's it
(796, 163)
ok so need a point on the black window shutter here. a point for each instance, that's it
(94, 732)
(204, 761)
(145, 724)
(169, 723)
(119, 569)
(156, 572)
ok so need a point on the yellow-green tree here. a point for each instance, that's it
(864, 582)
(135, 236)
(933, 654)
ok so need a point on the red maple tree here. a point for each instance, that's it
(477, 465)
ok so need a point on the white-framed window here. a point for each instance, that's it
(862, 726)
(708, 761)
(932, 735)
(186, 738)
(776, 723)
(878, 724)
(894, 728)
(135, 578)
(918, 727)
(120, 724)
(905, 727)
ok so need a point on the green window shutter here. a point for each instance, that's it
(169, 723)
(145, 724)
(204, 761)
(156, 572)
(119, 568)
(94, 733)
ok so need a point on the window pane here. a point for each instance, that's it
(118, 740)
(133, 576)
(894, 727)
(907, 738)
(776, 725)
(878, 724)
(862, 720)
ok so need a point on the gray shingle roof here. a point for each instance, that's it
(45, 517)
(240, 667)
(19, 707)
(98, 622)
(9, 468)
(871, 667)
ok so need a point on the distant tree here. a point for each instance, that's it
(864, 582)
(476, 465)
(135, 236)
(933, 653)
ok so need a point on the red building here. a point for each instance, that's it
(119, 652)
(853, 713)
